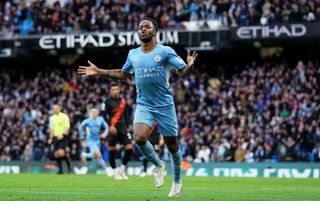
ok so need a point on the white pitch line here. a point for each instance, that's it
(77, 194)
(58, 189)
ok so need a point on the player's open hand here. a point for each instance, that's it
(90, 70)
(191, 58)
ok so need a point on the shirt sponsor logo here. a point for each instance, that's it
(148, 72)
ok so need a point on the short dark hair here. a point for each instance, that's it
(114, 84)
(155, 24)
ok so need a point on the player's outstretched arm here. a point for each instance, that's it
(93, 70)
(190, 66)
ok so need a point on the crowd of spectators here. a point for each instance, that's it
(268, 112)
(72, 16)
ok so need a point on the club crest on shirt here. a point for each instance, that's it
(157, 58)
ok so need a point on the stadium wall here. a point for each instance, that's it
(249, 170)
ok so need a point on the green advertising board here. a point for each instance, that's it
(280, 170)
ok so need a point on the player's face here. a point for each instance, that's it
(94, 113)
(146, 31)
(56, 109)
(115, 92)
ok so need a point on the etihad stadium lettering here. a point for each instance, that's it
(253, 32)
(102, 40)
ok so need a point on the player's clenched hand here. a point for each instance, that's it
(113, 130)
(191, 58)
(90, 70)
(103, 136)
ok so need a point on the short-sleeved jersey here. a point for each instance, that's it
(152, 73)
(59, 123)
(93, 128)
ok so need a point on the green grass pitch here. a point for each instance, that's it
(47, 187)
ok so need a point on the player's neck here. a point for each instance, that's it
(148, 47)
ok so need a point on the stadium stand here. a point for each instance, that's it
(268, 112)
(38, 17)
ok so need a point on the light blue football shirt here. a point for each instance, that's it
(152, 72)
(93, 128)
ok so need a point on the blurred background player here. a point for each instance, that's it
(115, 111)
(93, 126)
(59, 124)
(157, 141)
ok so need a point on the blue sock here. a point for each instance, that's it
(102, 163)
(148, 152)
(89, 155)
(176, 160)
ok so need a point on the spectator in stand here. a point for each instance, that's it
(43, 17)
(268, 112)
